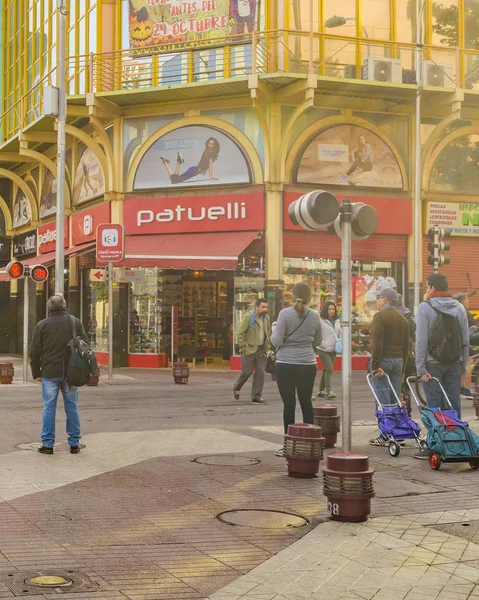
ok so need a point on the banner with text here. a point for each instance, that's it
(461, 218)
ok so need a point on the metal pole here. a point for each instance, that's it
(110, 321)
(346, 218)
(417, 162)
(61, 143)
(172, 335)
(25, 328)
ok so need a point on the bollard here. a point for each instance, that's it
(349, 486)
(181, 373)
(6, 373)
(303, 449)
(326, 416)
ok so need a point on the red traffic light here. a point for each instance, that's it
(15, 270)
(39, 273)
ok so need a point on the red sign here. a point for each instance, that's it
(47, 236)
(110, 242)
(394, 214)
(193, 214)
(84, 223)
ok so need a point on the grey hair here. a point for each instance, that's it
(56, 304)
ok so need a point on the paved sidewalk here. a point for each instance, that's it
(135, 514)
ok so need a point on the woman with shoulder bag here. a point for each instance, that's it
(296, 335)
(330, 347)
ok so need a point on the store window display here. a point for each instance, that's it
(97, 322)
(324, 278)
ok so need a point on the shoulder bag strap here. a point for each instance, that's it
(334, 332)
(297, 327)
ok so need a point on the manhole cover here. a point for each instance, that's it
(26, 584)
(469, 530)
(49, 580)
(226, 460)
(262, 518)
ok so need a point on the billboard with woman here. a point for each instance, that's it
(349, 155)
(192, 156)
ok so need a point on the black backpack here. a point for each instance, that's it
(445, 342)
(80, 359)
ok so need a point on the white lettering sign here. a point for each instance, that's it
(232, 211)
(333, 153)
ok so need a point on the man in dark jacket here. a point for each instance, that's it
(47, 355)
(389, 350)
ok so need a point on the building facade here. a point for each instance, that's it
(196, 123)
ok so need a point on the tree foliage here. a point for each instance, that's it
(457, 167)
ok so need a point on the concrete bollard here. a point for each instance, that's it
(6, 373)
(181, 373)
(349, 486)
(303, 449)
(326, 416)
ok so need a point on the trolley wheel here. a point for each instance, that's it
(423, 444)
(435, 461)
(394, 449)
(474, 465)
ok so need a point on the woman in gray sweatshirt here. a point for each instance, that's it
(296, 335)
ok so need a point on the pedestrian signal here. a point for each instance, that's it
(314, 211)
(39, 273)
(15, 269)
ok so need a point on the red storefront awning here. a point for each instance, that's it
(187, 250)
(49, 257)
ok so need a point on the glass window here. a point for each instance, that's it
(345, 23)
(94, 44)
(146, 312)
(377, 19)
(445, 23)
(324, 278)
(471, 24)
(97, 327)
(247, 289)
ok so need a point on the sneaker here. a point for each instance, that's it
(259, 401)
(379, 441)
(180, 158)
(330, 395)
(279, 451)
(45, 450)
(321, 394)
(74, 449)
(236, 394)
(343, 178)
(465, 397)
(423, 454)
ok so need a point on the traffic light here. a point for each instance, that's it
(39, 273)
(437, 246)
(364, 221)
(315, 210)
(15, 269)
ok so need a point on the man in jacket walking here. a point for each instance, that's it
(447, 361)
(389, 350)
(254, 344)
(47, 360)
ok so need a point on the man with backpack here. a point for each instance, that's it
(253, 340)
(442, 343)
(53, 348)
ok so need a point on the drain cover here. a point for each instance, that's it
(226, 460)
(26, 584)
(469, 530)
(262, 518)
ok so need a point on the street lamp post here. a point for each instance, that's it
(61, 143)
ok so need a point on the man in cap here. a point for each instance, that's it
(389, 349)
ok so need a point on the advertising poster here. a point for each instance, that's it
(168, 23)
(48, 198)
(89, 181)
(22, 213)
(349, 155)
(461, 218)
(190, 157)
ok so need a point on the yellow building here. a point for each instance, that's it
(196, 123)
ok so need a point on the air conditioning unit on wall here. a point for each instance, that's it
(437, 75)
(388, 70)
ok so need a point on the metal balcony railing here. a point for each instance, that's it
(275, 52)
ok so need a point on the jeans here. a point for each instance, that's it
(50, 391)
(450, 377)
(292, 379)
(327, 358)
(252, 362)
(394, 368)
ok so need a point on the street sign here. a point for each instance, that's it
(110, 242)
(97, 275)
